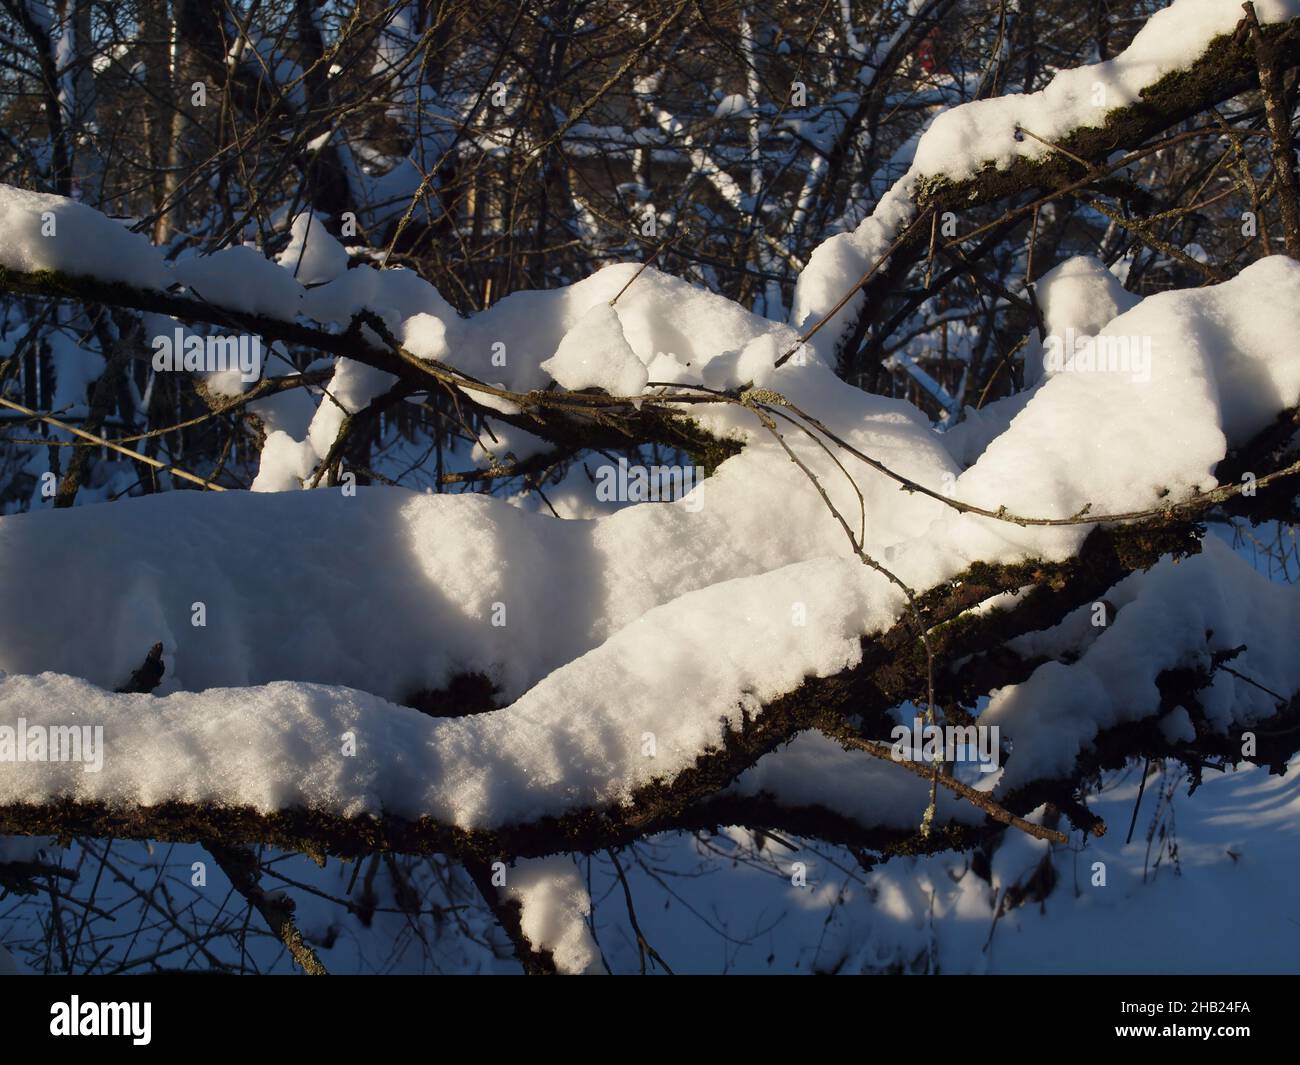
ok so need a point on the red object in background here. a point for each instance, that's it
(927, 52)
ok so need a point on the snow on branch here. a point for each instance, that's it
(1187, 58)
(735, 654)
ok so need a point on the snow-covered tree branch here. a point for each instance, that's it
(410, 454)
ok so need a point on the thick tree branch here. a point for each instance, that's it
(566, 419)
(1269, 60)
(892, 670)
(1227, 68)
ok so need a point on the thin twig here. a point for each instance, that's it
(155, 463)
